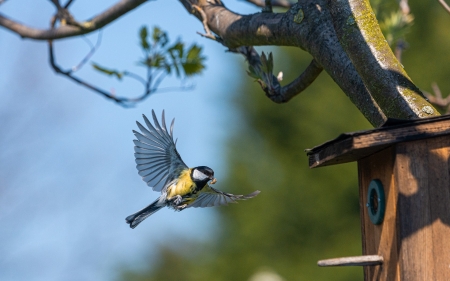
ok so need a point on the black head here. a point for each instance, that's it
(202, 174)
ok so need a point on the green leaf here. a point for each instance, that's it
(143, 34)
(194, 52)
(264, 62)
(270, 64)
(160, 37)
(253, 72)
(395, 26)
(110, 72)
(177, 50)
(158, 60)
(193, 63)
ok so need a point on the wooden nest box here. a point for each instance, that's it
(404, 195)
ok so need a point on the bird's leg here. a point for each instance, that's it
(177, 199)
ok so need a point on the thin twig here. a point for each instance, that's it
(274, 3)
(401, 44)
(68, 74)
(66, 6)
(158, 80)
(125, 102)
(208, 33)
(112, 13)
(276, 92)
(268, 7)
(399, 48)
(437, 99)
(56, 3)
(404, 7)
(171, 89)
(135, 77)
(445, 6)
(91, 52)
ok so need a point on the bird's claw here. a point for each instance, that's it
(178, 199)
(179, 208)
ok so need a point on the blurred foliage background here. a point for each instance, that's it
(302, 215)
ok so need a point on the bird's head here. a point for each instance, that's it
(203, 174)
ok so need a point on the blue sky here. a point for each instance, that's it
(67, 172)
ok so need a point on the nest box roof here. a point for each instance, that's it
(350, 147)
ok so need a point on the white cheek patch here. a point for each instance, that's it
(199, 175)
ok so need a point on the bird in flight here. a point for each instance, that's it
(162, 168)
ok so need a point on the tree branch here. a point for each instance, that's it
(384, 77)
(275, 3)
(437, 98)
(274, 91)
(68, 74)
(106, 17)
(445, 6)
(306, 25)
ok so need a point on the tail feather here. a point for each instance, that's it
(136, 218)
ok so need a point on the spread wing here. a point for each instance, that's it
(157, 159)
(210, 197)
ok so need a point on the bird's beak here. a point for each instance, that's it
(214, 180)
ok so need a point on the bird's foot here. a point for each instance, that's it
(181, 207)
(177, 200)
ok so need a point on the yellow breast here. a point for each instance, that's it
(184, 185)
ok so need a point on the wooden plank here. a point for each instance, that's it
(413, 208)
(440, 204)
(353, 146)
(422, 177)
(379, 239)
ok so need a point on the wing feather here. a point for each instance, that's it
(153, 166)
(158, 127)
(210, 197)
(154, 131)
(153, 161)
(149, 171)
(148, 140)
(145, 140)
(156, 156)
(171, 128)
(147, 146)
(144, 151)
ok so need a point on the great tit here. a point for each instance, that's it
(162, 168)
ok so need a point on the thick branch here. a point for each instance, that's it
(106, 17)
(306, 25)
(384, 77)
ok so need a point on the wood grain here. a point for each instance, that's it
(353, 146)
(422, 177)
(379, 239)
(413, 163)
(414, 238)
